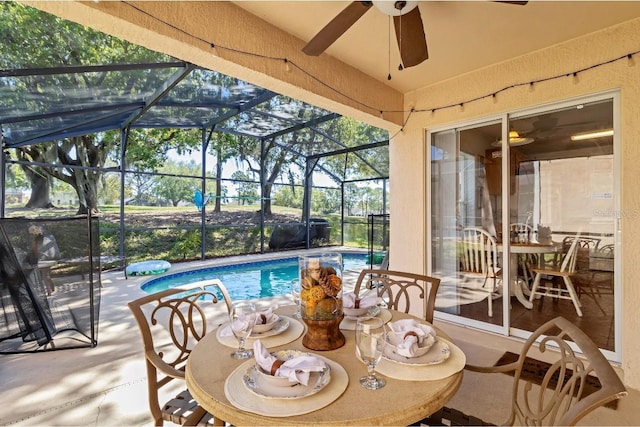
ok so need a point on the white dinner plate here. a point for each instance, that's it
(279, 327)
(373, 311)
(438, 353)
(350, 323)
(256, 384)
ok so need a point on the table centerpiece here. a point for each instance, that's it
(321, 300)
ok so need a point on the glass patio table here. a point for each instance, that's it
(411, 393)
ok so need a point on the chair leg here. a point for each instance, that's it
(490, 299)
(572, 294)
(534, 287)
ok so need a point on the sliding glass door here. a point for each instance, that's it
(466, 190)
(541, 186)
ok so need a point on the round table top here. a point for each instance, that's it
(400, 402)
(530, 248)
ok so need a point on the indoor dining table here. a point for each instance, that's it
(411, 392)
(525, 248)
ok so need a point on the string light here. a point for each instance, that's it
(531, 84)
(286, 65)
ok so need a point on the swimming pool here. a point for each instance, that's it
(250, 280)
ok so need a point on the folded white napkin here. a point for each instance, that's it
(414, 333)
(349, 300)
(268, 314)
(297, 369)
(226, 328)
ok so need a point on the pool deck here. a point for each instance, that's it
(106, 385)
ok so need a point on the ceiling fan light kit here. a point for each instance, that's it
(514, 140)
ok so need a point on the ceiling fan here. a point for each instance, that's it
(407, 22)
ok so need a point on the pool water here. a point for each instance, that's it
(259, 279)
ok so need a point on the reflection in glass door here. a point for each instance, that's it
(549, 206)
(563, 201)
(466, 192)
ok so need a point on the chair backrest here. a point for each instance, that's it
(585, 246)
(606, 250)
(522, 230)
(479, 252)
(568, 392)
(578, 250)
(171, 323)
(398, 288)
(520, 227)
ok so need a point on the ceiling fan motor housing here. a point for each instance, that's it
(395, 8)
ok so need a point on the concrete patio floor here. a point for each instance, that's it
(106, 385)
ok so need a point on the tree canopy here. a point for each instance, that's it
(35, 39)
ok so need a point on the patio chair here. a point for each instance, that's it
(397, 289)
(563, 392)
(479, 256)
(171, 323)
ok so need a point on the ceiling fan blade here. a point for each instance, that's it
(519, 3)
(411, 38)
(338, 25)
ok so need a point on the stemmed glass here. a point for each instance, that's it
(371, 336)
(295, 292)
(242, 316)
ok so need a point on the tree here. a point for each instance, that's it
(176, 189)
(275, 160)
(141, 183)
(359, 164)
(286, 196)
(32, 38)
(246, 188)
(224, 146)
(325, 200)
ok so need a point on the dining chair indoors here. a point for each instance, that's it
(563, 392)
(398, 288)
(596, 280)
(559, 289)
(171, 323)
(521, 231)
(479, 257)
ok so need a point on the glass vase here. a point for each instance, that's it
(321, 300)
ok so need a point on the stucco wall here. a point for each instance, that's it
(407, 150)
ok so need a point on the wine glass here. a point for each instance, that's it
(242, 316)
(295, 292)
(371, 336)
